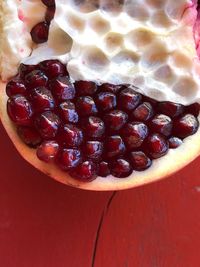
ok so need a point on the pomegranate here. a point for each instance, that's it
(105, 111)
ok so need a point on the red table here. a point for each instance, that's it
(46, 224)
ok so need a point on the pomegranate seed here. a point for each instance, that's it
(140, 161)
(93, 127)
(156, 146)
(85, 172)
(19, 110)
(15, 86)
(104, 169)
(171, 109)
(25, 69)
(47, 124)
(143, 112)
(174, 142)
(106, 101)
(70, 135)
(85, 88)
(62, 88)
(53, 68)
(48, 2)
(107, 87)
(41, 99)
(134, 134)
(40, 32)
(114, 146)
(93, 150)
(185, 126)
(115, 120)
(120, 168)
(68, 112)
(36, 78)
(193, 109)
(161, 124)
(86, 106)
(29, 136)
(47, 151)
(129, 99)
(50, 14)
(69, 158)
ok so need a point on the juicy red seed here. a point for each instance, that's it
(70, 135)
(85, 88)
(48, 2)
(69, 158)
(120, 168)
(85, 106)
(93, 127)
(93, 150)
(185, 126)
(114, 146)
(107, 87)
(143, 112)
(50, 14)
(106, 101)
(36, 78)
(174, 142)
(53, 68)
(15, 86)
(19, 110)
(134, 134)
(156, 146)
(40, 32)
(171, 109)
(47, 151)
(129, 99)
(25, 69)
(103, 169)
(140, 161)
(47, 124)
(41, 99)
(62, 88)
(115, 120)
(68, 112)
(161, 124)
(85, 172)
(193, 109)
(29, 136)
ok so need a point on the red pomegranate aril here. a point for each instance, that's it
(140, 161)
(53, 68)
(193, 109)
(50, 12)
(29, 136)
(129, 99)
(85, 172)
(86, 106)
(103, 169)
(106, 101)
(114, 146)
(70, 136)
(69, 158)
(36, 78)
(68, 112)
(62, 89)
(47, 151)
(120, 168)
(174, 142)
(93, 150)
(185, 126)
(40, 32)
(115, 120)
(161, 124)
(94, 127)
(47, 124)
(170, 109)
(19, 110)
(42, 99)
(134, 133)
(85, 88)
(156, 146)
(143, 112)
(48, 2)
(107, 87)
(15, 86)
(25, 69)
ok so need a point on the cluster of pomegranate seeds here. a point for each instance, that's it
(91, 130)
(40, 31)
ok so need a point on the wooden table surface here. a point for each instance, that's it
(46, 224)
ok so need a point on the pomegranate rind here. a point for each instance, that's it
(175, 160)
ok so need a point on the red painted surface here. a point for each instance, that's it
(46, 224)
